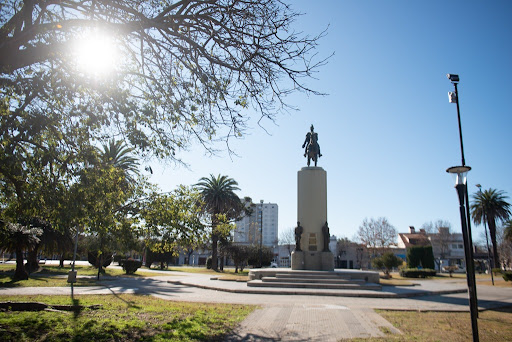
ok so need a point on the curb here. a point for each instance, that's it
(326, 293)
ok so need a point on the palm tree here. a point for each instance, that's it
(118, 154)
(219, 199)
(490, 206)
(17, 238)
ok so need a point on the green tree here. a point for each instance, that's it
(18, 238)
(117, 154)
(417, 256)
(386, 262)
(490, 206)
(254, 255)
(187, 71)
(173, 220)
(240, 255)
(50, 240)
(102, 196)
(221, 204)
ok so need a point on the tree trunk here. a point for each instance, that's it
(32, 261)
(215, 239)
(100, 263)
(492, 232)
(189, 255)
(222, 261)
(20, 273)
(61, 260)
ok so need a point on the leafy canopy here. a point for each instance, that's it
(182, 70)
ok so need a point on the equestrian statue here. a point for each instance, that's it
(312, 149)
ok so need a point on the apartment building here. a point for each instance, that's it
(248, 230)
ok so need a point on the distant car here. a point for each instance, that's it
(273, 265)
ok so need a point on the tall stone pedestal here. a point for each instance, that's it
(312, 215)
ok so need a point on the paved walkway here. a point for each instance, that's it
(298, 315)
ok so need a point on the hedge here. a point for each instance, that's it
(420, 256)
(507, 275)
(417, 273)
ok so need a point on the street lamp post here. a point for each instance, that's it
(460, 173)
(486, 238)
(462, 191)
(261, 233)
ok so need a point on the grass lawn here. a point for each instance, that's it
(121, 318)
(481, 279)
(51, 276)
(493, 325)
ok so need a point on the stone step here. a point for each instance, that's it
(368, 276)
(313, 280)
(310, 276)
(367, 286)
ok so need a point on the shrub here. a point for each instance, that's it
(386, 262)
(254, 256)
(130, 266)
(119, 259)
(417, 273)
(507, 275)
(496, 271)
(209, 263)
(164, 258)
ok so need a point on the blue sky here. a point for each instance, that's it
(386, 129)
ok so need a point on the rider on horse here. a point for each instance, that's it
(311, 137)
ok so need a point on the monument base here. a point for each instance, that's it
(316, 261)
(297, 260)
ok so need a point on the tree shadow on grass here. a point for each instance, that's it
(6, 280)
(128, 303)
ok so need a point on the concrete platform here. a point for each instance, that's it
(276, 284)
(302, 279)
(367, 276)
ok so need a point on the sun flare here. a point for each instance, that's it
(96, 54)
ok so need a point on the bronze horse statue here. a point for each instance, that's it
(312, 147)
(312, 151)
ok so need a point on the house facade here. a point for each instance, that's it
(447, 247)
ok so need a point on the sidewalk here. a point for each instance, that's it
(297, 314)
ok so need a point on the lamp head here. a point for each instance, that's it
(460, 173)
(453, 78)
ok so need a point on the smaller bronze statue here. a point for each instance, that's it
(298, 235)
(325, 232)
